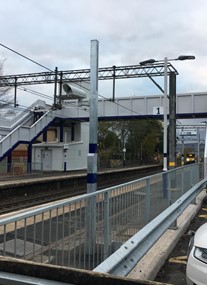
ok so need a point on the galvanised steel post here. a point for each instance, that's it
(15, 92)
(171, 200)
(205, 155)
(165, 117)
(60, 88)
(114, 76)
(93, 120)
(92, 154)
(165, 109)
(172, 121)
(172, 127)
(198, 136)
(193, 172)
(106, 225)
(182, 182)
(55, 87)
(148, 210)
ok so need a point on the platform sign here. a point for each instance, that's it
(158, 110)
(189, 132)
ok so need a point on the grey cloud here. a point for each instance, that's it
(58, 33)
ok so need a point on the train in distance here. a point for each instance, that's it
(190, 158)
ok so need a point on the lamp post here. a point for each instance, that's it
(205, 152)
(165, 109)
(165, 117)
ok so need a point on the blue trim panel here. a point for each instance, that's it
(61, 130)
(93, 148)
(143, 117)
(9, 162)
(44, 136)
(29, 154)
(92, 178)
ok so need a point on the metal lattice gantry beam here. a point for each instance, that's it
(106, 73)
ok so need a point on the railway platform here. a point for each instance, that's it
(149, 266)
(24, 272)
(56, 185)
(140, 275)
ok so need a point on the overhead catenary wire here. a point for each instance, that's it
(35, 62)
(52, 70)
(39, 94)
(48, 97)
(34, 92)
(116, 103)
(26, 57)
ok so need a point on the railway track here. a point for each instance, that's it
(14, 201)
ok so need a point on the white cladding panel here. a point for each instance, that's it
(143, 105)
(184, 104)
(190, 104)
(200, 102)
(54, 157)
(151, 103)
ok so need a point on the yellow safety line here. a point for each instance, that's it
(204, 216)
(204, 209)
(178, 259)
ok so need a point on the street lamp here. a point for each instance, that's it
(181, 57)
(205, 152)
(166, 60)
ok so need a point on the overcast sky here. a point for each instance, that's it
(58, 33)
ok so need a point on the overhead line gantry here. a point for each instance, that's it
(105, 73)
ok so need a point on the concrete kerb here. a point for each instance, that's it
(148, 267)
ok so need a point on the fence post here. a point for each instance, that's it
(182, 182)
(168, 177)
(173, 226)
(106, 225)
(148, 213)
(194, 180)
(165, 184)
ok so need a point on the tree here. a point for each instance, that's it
(107, 140)
(152, 140)
(136, 134)
(142, 139)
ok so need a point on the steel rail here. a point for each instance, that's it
(121, 262)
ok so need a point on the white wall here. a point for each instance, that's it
(75, 157)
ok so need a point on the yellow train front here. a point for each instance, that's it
(190, 158)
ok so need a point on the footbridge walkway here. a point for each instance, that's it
(22, 128)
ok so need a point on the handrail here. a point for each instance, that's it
(97, 222)
(13, 137)
(21, 116)
(122, 261)
(69, 201)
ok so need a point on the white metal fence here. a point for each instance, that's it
(81, 232)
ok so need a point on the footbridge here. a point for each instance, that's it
(22, 128)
